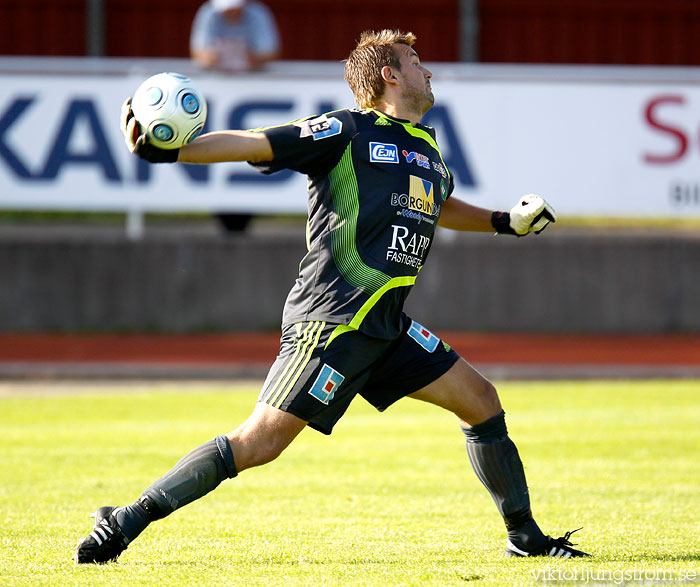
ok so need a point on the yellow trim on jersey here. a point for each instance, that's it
(296, 365)
(357, 319)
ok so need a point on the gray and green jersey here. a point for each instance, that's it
(376, 186)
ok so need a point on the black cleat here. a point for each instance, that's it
(554, 547)
(106, 541)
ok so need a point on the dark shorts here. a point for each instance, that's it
(316, 380)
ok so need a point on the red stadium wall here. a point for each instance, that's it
(328, 30)
(524, 31)
(157, 28)
(310, 29)
(653, 32)
(38, 27)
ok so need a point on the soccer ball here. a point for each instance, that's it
(170, 109)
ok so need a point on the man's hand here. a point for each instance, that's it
(531, 214)
(137, 143)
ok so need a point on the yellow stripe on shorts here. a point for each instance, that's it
(302, 354)
(301, 338)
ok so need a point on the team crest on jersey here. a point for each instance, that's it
(383, 153)
(423, 336)
(320, 127)
(326, 384)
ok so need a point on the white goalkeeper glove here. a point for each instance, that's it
(531, 214)
(138, 143)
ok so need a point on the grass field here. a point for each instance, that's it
(389, 499)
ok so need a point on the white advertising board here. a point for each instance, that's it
(594, 145)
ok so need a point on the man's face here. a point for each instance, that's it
(415, 79)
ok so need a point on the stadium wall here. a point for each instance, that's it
(649, 32)
(517, 31)
(552, 283)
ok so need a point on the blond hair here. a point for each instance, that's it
(363, 68)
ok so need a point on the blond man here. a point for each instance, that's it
(378, 188)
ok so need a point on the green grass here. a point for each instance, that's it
(389, 499)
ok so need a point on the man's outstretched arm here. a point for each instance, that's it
(531, 214)
(458, 215)
(227, 145)
(214, 147)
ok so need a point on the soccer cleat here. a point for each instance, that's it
(554, 547)
(106, 541)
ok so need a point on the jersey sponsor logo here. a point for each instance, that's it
(383, 153)
(420, 159)
(408, 248)
(320, 127)
(440, 168)
(326, 384)
(423, 336)
(419, 203)
(413, 215)
(420, 196)
(412, 202)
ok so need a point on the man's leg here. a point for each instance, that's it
(259, 440)
(494, 457)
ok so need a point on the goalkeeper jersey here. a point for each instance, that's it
(376, 185)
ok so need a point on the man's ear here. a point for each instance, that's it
(389, 75)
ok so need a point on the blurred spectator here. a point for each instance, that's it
(234, 35)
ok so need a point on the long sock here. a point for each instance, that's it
(195, 475)
(496, 462)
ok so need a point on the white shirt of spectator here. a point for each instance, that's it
(255, 33)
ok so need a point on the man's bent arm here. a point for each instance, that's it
(227, 145)
(459, 215)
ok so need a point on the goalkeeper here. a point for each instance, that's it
(377, 188)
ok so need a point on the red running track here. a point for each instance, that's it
(259, 349)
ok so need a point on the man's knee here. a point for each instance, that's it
(483, 401)
(257, 450)
(476, 402)
(465, 392)
(263, 437)
(252, 448)
(486, 393)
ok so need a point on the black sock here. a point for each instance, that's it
(195, 475)
(132, 519)
(497, 464)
